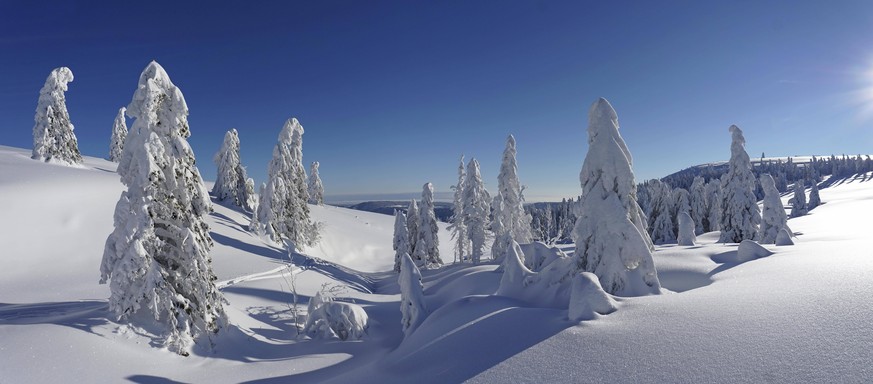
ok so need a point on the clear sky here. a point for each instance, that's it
(391, 93)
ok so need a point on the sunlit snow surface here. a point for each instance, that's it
(803, 314)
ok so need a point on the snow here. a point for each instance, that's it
(801, 314)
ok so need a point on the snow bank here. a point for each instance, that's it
(784, 238)
(587, 298)
(750, 250)
(538, 254)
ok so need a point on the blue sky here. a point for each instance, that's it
(390, 93)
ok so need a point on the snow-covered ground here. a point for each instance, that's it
(803, 314)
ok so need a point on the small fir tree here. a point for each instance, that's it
(53, 137)
(316, 189)
(401, 239)
(476, 210)
(119, 133)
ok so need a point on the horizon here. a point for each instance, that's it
(390, 105)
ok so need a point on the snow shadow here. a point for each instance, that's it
(148, 379)
(260, 250)
(84, 315)
(683, 280)
(359, 281)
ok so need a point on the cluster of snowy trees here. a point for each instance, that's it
(416, 233)
(552, 222)
(156, 260)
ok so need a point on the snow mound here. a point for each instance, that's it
(538, 254)
(588, 299)
(750, 250)
(784, 238)
(328, 319)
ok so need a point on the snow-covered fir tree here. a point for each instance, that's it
(740, 214)
(231, 179)
(457, 225)
(712, 189)
(286, 178)
(698, 204)
(610, 234)
(119, 133)
(427, 249)
(661, 215)
(814, 197)
(502, 237)
(798, 202)
(476, 210)
(686, 229)
(681, 203)
(401, 239)
(157, 257)
(413, 218)
(412, 306)
(512, 213)
(316, 189)
(773, 217)
(53, 137)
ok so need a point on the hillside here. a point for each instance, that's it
(799, 315)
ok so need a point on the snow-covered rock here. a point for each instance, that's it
(784, 237)
(750, 250)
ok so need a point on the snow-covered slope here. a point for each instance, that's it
(800, 315)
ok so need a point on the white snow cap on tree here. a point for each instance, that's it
(798, 202)
(610, 234)
(231, 179)
(119, 133)
(512, 215)
(53, 137)
(412, 306)
(457, 226)
(157, 257)
(686, 229)
(427, 249)
(740, 214)
(476, 209)
(401, 239)
(316, 189)
(773, 218)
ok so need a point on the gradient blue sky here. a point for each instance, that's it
(390, 93)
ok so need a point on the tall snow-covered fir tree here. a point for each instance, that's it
(502, 237)
(610, 234)
(476, 210)
(119, 133)
(512, 213)
(457, 226)
(798, 202)
(712, 189)
(401, 239)
(686, 229)
(698, 204)
(413, 218)
(681, 203)
(316, 189)
(773, 217)
(740, 214)
(157, 258)
(231, 180)
(412, 306)
(427, 251)
(814, 197)
(53, 137)
(289, 220)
